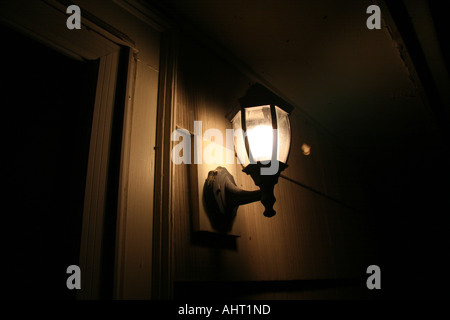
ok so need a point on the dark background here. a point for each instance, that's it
(47, 104)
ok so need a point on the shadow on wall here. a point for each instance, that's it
(410, 208)
(351, 288)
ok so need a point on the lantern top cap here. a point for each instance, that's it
(258, 95)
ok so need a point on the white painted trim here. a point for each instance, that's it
(141, 10)
(96, 178)
(120, 257)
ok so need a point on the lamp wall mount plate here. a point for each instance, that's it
(223, 197)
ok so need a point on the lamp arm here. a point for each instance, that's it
(236, 196)
(266, 183)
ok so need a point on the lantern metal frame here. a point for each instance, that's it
(222, 196)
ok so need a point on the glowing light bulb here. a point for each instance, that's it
(260, 139)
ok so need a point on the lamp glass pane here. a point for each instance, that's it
(284, 134)
(239, 142)
(259, 132)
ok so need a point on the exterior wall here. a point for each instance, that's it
(314, 235)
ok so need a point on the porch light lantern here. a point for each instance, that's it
(262, 139)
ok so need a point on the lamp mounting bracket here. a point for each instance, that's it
(222, 198)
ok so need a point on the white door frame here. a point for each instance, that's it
(98, 40)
